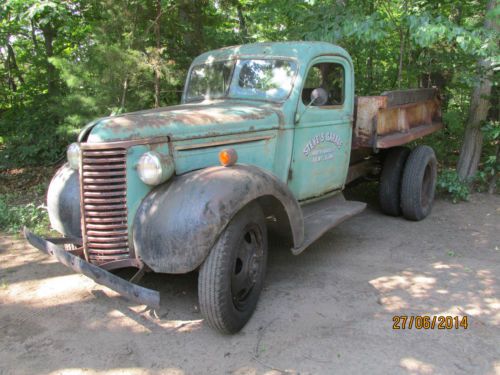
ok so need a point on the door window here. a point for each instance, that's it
(328, 76)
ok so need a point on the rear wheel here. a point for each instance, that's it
(390, 180)
(419, 183)
(232, 276)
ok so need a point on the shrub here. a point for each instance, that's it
(22, 197)
(13, 217)
(449, 182)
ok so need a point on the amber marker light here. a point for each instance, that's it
(228, 157)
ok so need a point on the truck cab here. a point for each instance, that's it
(262, 144)
(309, 139)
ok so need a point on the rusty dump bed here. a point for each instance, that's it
(396, 117)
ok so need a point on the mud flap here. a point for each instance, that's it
(127, 289)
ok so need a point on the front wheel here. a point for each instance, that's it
(231, 278)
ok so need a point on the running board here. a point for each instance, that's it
(321, 216)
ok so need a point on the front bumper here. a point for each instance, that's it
(127, 289)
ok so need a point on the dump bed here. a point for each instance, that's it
(396, 117)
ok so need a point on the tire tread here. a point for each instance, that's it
(411, 186)
(212, 284)
(390, 180)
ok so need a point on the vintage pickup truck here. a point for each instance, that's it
(266, 138)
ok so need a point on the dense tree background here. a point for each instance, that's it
(64, 63)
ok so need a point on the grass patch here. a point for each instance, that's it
(22, 200)
(14, 217)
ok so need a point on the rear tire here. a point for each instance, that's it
(419, 183)
(231, 278)
(390, 180)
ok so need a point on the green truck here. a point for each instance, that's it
(264, 141)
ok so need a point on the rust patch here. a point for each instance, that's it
(396, 139)
(129, 126)
(367, 109)
(398, 123)
(196, 146)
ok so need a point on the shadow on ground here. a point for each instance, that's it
(329, 310)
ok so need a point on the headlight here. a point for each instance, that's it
(153, 168)
(73, 154)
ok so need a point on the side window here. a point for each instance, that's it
(328, 76)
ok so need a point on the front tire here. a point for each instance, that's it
(232, 276)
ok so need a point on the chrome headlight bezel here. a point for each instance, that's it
(154, 168)
(74, 155)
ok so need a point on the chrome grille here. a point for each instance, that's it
(104, 203)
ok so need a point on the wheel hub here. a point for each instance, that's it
(247, 265)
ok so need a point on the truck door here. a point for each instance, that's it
(322, 139)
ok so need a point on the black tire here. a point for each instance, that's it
(231, 278)
(419, 183)
(389, 192)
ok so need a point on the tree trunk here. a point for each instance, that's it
(369, 63)
(33, 35)
(10, 79)
(470, 152)
(49, 34)
(191, 14)
(157, 65)
(401, 56)
(13, 63)
(402, 41)
(241, 19)
(11, 67)
(124, 94)
(369, 71)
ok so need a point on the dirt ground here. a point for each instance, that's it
(328, 311)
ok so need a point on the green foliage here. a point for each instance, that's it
(65, 63)
(22, 194)
(491, 161)
(448, 182)
(491, 131)
(13, 217)
(31, 137)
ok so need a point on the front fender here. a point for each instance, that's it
(63, 202)
(178, 223)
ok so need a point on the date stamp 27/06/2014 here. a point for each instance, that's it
(429, 322)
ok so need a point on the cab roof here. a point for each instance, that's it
(296, 50)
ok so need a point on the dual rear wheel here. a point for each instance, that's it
(408, 182)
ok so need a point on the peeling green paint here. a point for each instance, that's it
(311, 156)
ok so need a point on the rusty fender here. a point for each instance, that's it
(178, 223)
(127, 289)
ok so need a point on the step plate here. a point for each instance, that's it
(319, 217)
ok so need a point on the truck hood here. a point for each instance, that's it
(200, 120)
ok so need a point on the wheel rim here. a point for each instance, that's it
(427, 186)
(247, 266)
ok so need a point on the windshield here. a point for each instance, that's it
(242, 79)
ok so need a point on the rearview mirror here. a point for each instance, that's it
(319, 96)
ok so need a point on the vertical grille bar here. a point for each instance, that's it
(104, 203)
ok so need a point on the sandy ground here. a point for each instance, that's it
(326, 311)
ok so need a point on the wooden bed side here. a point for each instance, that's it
(396, 118)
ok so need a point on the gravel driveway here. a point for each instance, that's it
(327, 311)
